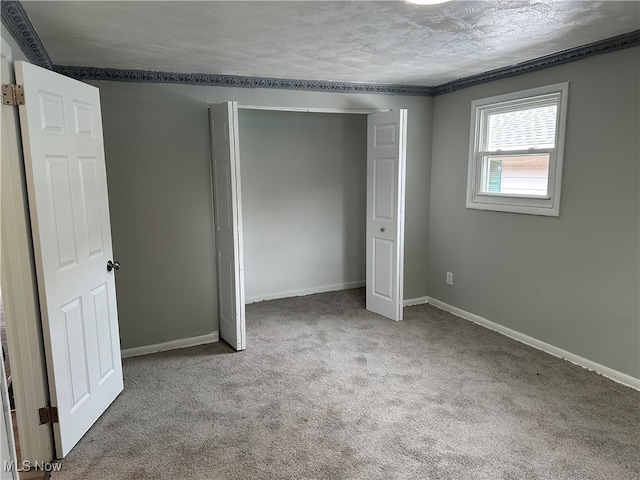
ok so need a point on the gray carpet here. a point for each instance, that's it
(329, 390)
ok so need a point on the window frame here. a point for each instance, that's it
(549, 205)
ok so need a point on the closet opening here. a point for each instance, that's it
(305, 202)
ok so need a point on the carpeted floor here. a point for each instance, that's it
(327, 390)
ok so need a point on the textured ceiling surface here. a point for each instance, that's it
(358, 41)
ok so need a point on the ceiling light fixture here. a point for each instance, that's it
(425, 2)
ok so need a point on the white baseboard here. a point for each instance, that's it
(172, 345)
(619, 377)
(306, 291)
(415, 301)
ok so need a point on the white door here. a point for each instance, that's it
(67, 187)
(386, 159)
(223, 121)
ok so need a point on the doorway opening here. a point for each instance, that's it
(385, 198)
(16, 407)
(7, 371)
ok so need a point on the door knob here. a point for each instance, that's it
(382, 229)
(112, 266)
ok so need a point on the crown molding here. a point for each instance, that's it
(612, 44)
(144, 76)
(15, 19)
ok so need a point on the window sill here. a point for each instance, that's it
(514, 198)
(535, 205)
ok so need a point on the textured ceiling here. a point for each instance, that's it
(359, 41)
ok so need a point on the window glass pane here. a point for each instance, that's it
(522, 129)
(516, 175)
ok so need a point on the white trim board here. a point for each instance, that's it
(357, 111)
(415, 301)
(22, 315)
(306, 291)
(614, 375)
(172, 345)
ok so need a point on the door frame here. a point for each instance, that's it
(345, 111)
(25, 337)
(332, 110)
(228, 239)
(8, 442)
(395, 150)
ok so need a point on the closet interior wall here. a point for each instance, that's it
(303, 187)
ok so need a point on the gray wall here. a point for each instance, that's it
(16, 51)
(157, 154)
(303, 201)
(570, 281)
(157, 157)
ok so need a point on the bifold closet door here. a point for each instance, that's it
(386, 160)
(223, 121)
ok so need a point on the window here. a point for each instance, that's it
(515, 154)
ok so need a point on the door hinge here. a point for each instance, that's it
(48, 415)
(12, 94)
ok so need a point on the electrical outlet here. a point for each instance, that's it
(449, 278)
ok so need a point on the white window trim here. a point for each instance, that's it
(532, 205)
